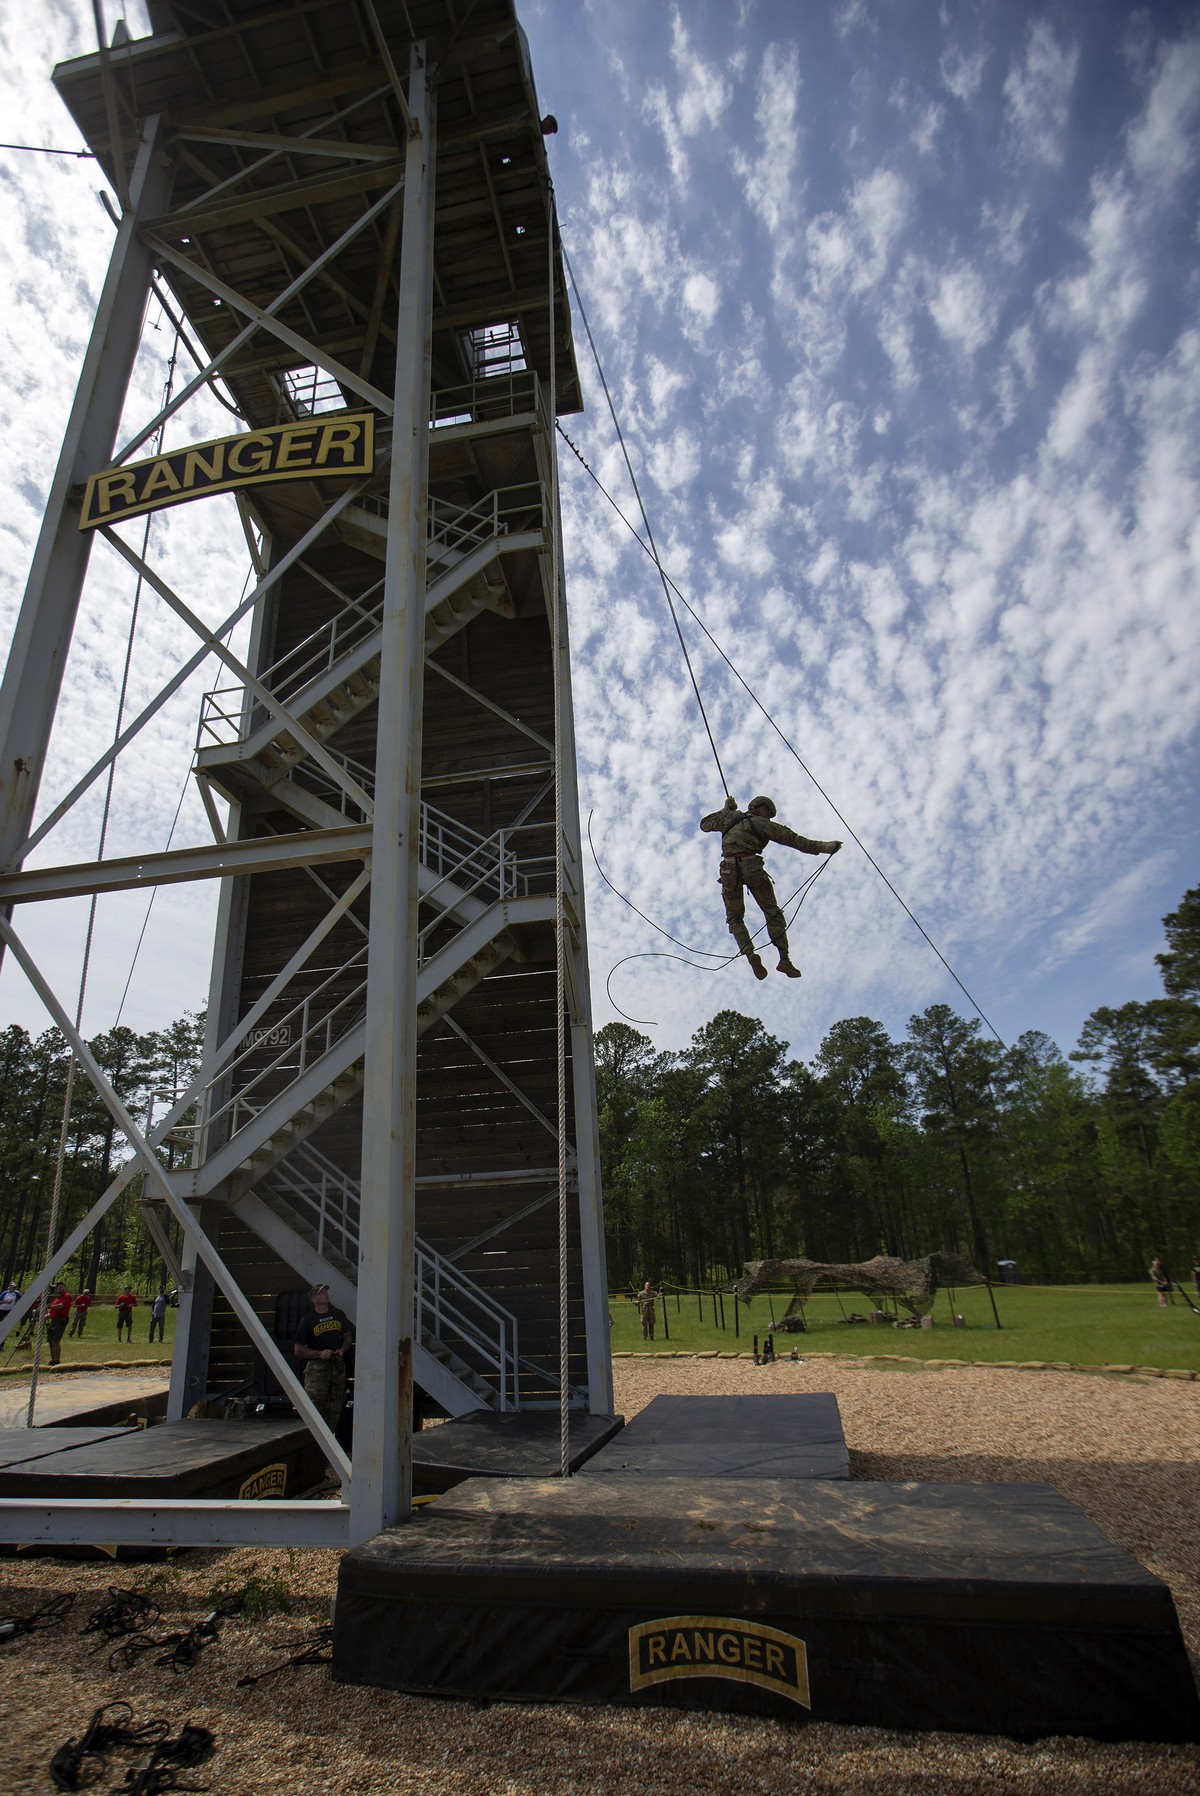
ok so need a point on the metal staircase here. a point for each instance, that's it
(270, 1099)
(306, 1059)
(329, 678)
(467, 1345)
(253, 1151)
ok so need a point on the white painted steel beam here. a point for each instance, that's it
(589, 1195)
(266, 319)
(159, 1180)
(489, 704)
(212, 860)
(320, 754)
(382, 1493)
(254, 169)
(210, 1065)
(339, 149)
(120, 1521)
(223, 356)
(188, 668)
(38, 655)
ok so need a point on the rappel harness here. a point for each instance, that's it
(736, 819)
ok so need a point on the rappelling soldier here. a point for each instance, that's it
(744, 835)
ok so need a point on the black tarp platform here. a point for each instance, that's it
(790, 1435)
(25, 1446)
(988, 1608)
(512, 1444)
(176, 1459)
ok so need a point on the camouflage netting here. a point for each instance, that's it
(912, 1283)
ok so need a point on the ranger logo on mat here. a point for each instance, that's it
(261, 1486)
(718, 1646)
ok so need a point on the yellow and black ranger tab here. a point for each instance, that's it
(337, 445)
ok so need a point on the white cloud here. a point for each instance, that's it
(1038, 92)
(771, 180)
(705, 93)
(962, 307)
(962, 71)
(1163, 144)
(701, 297)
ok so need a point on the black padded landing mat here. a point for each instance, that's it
(516, 1444)
(22, 1446)
(176, 1459)
(794, 1435)
(984, 1608)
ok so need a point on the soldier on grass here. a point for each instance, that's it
(647, 1300)
(744, 835)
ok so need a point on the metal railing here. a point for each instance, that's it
(454, 1310)
(455, 530)
(498, 867)
(227, 714)
(302, 1034)
(491, 869)
(486, 399)
(449, 1307)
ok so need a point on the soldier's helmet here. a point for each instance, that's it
(763, 803)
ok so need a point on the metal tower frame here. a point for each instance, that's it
(448, 908)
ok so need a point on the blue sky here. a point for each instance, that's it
(898, 308)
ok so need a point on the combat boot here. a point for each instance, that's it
(785, 966)
(756, 965)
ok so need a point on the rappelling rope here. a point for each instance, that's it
(558, 652)
(645, 517)
(69, 1090)
(648, 549)
(183, 792)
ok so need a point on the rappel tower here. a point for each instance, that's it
(345, 206)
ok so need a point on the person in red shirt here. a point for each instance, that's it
(126, 1304)
(60, 1315)
(83, 1303)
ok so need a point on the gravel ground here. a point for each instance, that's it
(1126, 1450)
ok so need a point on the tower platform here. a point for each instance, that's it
(786, 1435)
(986, 1608)
(516, 1444)
(195, 1458)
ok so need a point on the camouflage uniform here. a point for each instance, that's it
(647, 1302)
(325, 1330)
(743, 839)
(325, 1383)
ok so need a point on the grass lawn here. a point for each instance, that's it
(100, 1345)
(1092, 1325)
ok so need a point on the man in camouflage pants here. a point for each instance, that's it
(744, 835)
(322, 1341)
(647, 1300)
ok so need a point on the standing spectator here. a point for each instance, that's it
(322, 1340)
(647, 1301)
(126, 1304)
(79, 1320)
(1195, 1276)
(158, 1314)
(59, 1316)
(9, 1299)
(1162, 1280)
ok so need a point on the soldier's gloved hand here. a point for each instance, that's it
(730, 803)
(832, 847)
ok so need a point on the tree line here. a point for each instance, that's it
(1078, 1166)
(148, 1072)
